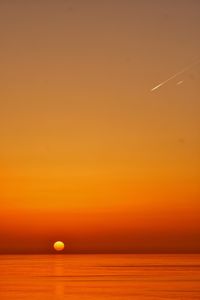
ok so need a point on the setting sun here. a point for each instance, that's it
(59, 246)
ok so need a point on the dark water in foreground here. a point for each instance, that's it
(92, 277)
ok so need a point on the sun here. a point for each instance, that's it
(59, 246)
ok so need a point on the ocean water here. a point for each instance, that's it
(139, 277)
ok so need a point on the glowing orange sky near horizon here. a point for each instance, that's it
(88, 154)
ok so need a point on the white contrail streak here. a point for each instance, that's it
(175, 75)
(180, 82)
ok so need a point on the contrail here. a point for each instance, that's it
(175, 75)
(179, 82)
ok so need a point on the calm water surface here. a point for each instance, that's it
(92, 277)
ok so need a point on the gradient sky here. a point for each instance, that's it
(88, 154)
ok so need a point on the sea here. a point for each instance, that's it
(95, 277)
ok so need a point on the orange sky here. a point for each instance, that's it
(88, 154)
